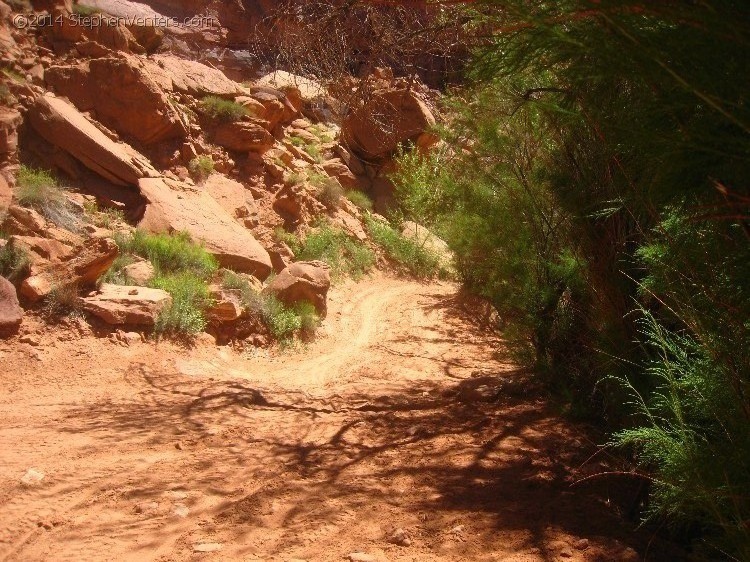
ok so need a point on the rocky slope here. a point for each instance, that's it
(136, 129)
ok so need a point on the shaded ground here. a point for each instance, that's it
(403, 414)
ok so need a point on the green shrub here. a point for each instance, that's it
(309, 319)
(313, 150)
(182, 268)
(201, 167)
(342, 253)
(288, 238)
(14, 263)
(329, 192)
(282, 322)
(190, 299)
(360, 199)
(170, 253)
(299, 142)
(223, 110)
(38, 190)
(415, 258)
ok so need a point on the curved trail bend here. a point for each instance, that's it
(402, 414)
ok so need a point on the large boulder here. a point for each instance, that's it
(11, 313)
(121, 305)
(124, 95)
(191, 77)
(303, 281)
(61, 124)
(231, 195)
(390, 118)
(243, 136)
(89, 262)
(175, 206)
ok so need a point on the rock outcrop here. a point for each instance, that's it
(124, 95)
(175, 206)
(389, 118)
(191, 77)
(89, 262)
(303, 281)
(122, 305)
(11, 313)
(62, 125)
(243, 136)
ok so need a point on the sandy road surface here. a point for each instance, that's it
(403, 415)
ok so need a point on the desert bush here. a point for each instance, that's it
(170, 253)
(342, 253)
(308, 316)
(182, 268)
(63, 300)
(39, 190)
(223, 110)
(313, 150)
(418, 260)
(201, 167)
(327, 189)
(360, 199)
(288, 238)
(190, 299)
(14, 263)
(81, 10)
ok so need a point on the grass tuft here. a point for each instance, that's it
(14, 263)
(360, 199)
(345, 256)
(416, 259)
(223, 110)
(201, 167)
(38, 189)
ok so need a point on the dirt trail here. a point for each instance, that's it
(401, 415)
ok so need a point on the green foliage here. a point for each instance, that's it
(182, 268)
(223, 110)
(418, 260)
(360, 199)
(201, 167)
(342, 253)
(691, 419)
(170, 253)
(39, 190)
(288, 238)
(81, 10)
(190, 299)
(308, 316)
(281, 321)
(14, 263)
(595, 166)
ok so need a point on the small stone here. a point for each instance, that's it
(566, 553)
(582, 544)
(29, 340)
(32, 477)
(400, 537)
(207, 547)
(361, 557)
